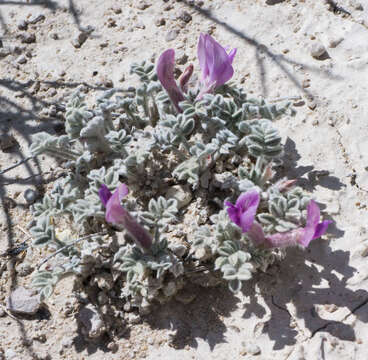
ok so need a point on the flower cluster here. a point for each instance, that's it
(215, 64)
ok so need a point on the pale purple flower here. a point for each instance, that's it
(117, 215)
(243, 214)
(300, 236)
(165, 73)
(215, 63)
(244, 210)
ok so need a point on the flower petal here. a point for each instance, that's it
(115, 213)
(232, 54)
(105, 194)
(233, 213)
(244, 211)
(285, 239)
(165, 73)
(218, 62)
(321, 228)
(201, 53)
(123, 191)
(313, 215)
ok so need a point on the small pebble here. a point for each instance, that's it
(142, 5)
(80, 39)
(117, 10)
(4, 52)
(7, 141)
(22, 25)
(185, 16)
(181, 57)
(40, 337)
(36, 18)
(317, 50)
(28, 38)
(24, 269)
(312, 105)
(251, 348)
(30, 196)
(172, 35)
(333, 42)
(54, 36)
(22, 301)
(160, 21)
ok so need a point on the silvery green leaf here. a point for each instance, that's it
(118, 140)
(188, 170)
(43, 233)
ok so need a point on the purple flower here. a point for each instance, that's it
(165, 73)
(116, 214)
(215, 63)
(244, 210)
(300, 236)
(243, 214)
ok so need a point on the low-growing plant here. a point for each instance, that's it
(168, 180)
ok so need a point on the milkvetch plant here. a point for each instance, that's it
(200, 163)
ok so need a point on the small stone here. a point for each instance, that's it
(24, 269)
(22, 301)
(28, 38)
(113, 347)
(140, 25)
(142, 5)
(21, 59)
(181, 58)
(317, 50)
(40, 337)
(22, 25)
(117, 10)
(80, 39)
(160, 21)
(54, 36)
(2, 313)
(251, 348)
(306, 83)
(185, 16)
(51, 92)
(312, 105)
(181, 193)
(334, 41)
(4, 52)
(36, 18)
(172, 35)
(7, 141)
(30, 196)
(92, 323)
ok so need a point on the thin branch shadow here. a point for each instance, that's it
(48, 4)
(278, 59)
(291, 170)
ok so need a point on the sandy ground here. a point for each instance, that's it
(312, 306)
